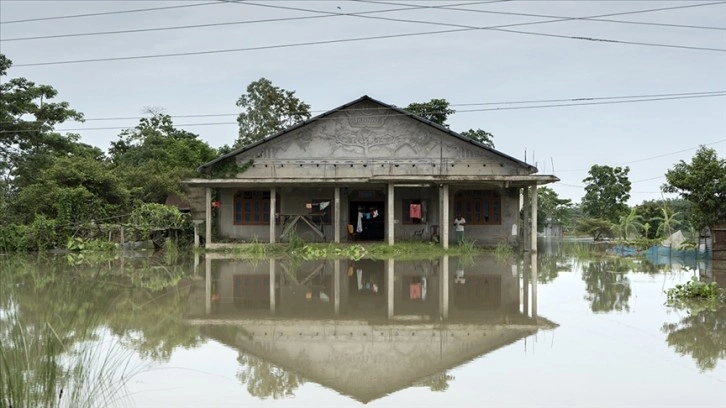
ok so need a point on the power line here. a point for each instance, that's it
(582, 100)
(459, 28)
(332, 14)
(381, 115)
(221, 24)
(654, 157)
(105, 13)
(592, 18)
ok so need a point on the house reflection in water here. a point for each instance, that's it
(370, 327)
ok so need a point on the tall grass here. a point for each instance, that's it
(52, 352)
(40, 368)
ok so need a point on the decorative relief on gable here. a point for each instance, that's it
(367, 115)
(363, 141)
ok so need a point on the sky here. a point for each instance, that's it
(644, 88)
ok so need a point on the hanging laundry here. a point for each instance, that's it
(415, 211)
(359, 227)
(415, 291)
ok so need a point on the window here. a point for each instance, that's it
(252, 208)
(479, 207)
(323, 206)
(413, 211)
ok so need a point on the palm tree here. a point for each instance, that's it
(667, 222)
(630, 225)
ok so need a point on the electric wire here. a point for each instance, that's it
(459, 28)
(104, 13)
(219, 24)
(381, 115)
(409, 7)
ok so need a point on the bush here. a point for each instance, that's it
(696, 294)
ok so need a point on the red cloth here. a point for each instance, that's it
(415, 291)
(415, 211)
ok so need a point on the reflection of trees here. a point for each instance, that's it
(266, 380)
(549, 266)
(84, 298)
(702, 335)
(607, 286)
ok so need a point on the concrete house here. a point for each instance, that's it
(364, 171)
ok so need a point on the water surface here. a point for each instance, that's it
(561, 328)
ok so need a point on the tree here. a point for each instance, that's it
(435, 110)
(652, 212)
(438, 111)
(27, 119)
(703, 183)
(606, 192)
(481, 136)
(595, 227)
(155, 156)
(267, 109)
(551, 209)
(630, 225)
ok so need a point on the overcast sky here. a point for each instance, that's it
(551, 57)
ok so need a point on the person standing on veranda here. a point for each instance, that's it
(459, 222)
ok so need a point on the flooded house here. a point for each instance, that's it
(364, 171)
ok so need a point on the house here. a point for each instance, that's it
(364, 328)
(364, 171)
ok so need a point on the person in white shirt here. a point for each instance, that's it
(459, 222)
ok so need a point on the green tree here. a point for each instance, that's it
(652, 213)
(595, 227)
(435, 110)
(267, 109)
(438, 111)
(703, 183)
(155, 156)
(606, 192)
(481, 136)
(667, 222)
(27, 120)
(629, 225)
(72, 189)
(552, 209)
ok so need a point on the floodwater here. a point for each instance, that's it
(562, 328)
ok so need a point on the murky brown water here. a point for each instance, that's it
(591, 332)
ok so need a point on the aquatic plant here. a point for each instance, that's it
(696, 294)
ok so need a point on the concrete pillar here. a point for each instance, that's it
(208, 285)
(208, 218)
(389, 215)
(445, 216)
(273, 205)
(390, 265)
(444, 273)
(534, 284)
(336, 285)
(533, 231)
(336, 222)
(272, 285)
(525, 285)
(526, 227)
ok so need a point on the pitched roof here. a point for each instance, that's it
(349, 104)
